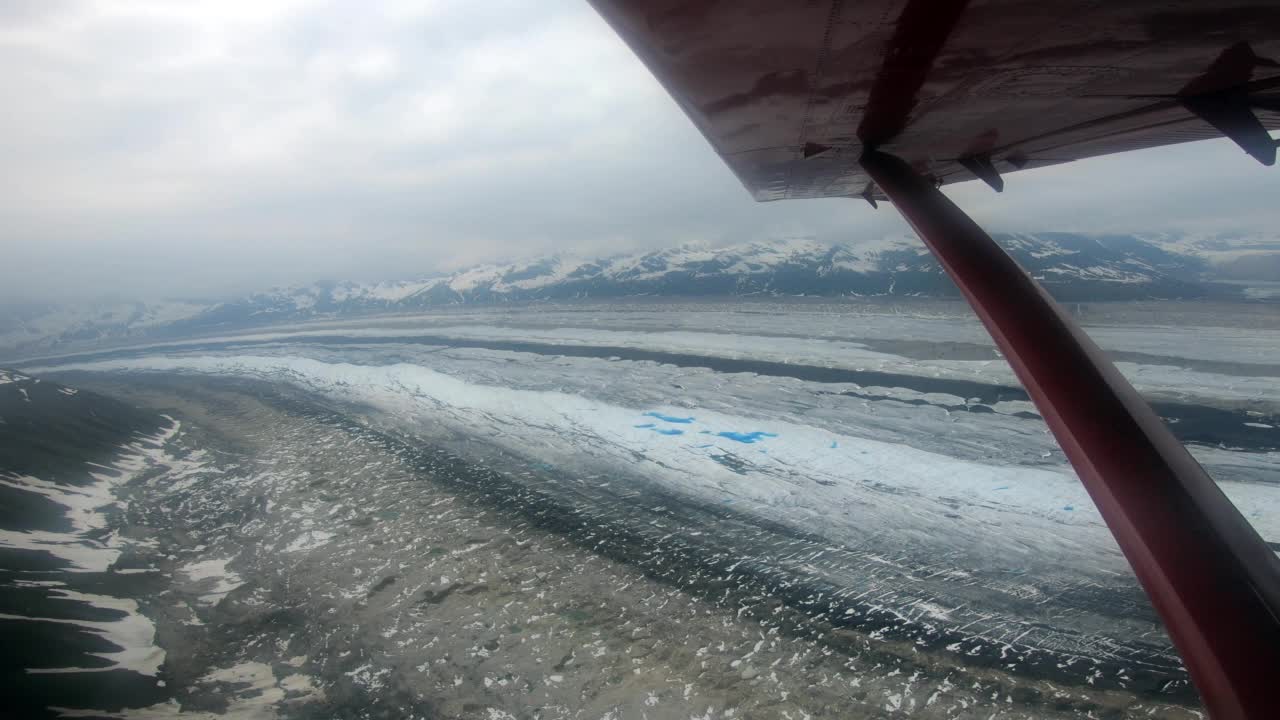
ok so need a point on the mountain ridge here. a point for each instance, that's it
(1074, 267)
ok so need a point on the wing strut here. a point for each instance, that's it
(1213, 580)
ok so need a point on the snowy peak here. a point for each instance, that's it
(1100, 258)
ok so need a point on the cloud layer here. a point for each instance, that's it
(152, 147)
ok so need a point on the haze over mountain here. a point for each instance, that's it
(1075, 267)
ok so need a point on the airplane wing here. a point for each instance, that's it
(790, 93)
(893, 98)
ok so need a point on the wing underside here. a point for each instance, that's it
(791, 93)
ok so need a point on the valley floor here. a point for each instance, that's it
(654, 513)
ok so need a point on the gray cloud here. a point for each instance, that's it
(152, 147)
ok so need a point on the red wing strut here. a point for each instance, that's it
(888, 99)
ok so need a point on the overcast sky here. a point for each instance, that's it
(155, 147)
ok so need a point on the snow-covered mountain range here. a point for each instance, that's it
(1072, 266)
